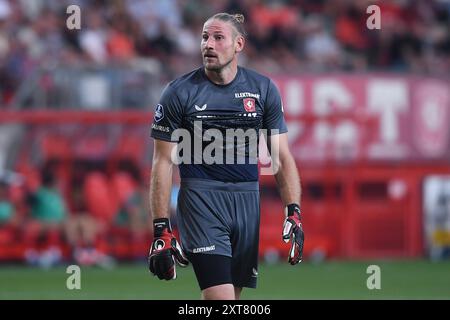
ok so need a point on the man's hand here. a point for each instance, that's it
(293, 231)
(165, 251)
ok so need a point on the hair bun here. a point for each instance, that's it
(239, 17)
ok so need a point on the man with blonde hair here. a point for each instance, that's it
(218, 204)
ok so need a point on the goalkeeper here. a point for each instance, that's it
(218, 203)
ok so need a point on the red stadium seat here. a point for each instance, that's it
(100, 200)
(123, 186)
(6, 235)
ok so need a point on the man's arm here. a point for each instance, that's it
(285, 169)
(288, 180)
(165, 249)
(161, 179)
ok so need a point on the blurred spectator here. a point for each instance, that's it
(93, 37)
(6, 207)
(46, 222)
(120, 43)
(132, 221)
(320, 47)
(47, 204)
(82, 232)
(9, 222)
(134, 215)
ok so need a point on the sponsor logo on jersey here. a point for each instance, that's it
(249, 104)
(204, 249)
(246, 95)
(160, 128)
(159, 113)
(203, 107)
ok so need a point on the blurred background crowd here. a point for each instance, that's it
(285, 36)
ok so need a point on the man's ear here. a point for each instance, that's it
(239, 43)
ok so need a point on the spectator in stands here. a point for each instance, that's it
(12, 207)
(47, 204)
(120, 45)
(6, 207)
(93, 38)
(133, 215)
(321, 48)
(9, 221)
(45, 226)
(133, 211)
(82, 232)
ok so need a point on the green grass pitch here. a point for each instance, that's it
(400, 279)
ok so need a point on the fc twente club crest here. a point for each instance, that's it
(249, 104)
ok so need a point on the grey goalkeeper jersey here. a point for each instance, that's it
(194, 103)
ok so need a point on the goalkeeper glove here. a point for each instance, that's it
(165, 251)
(293, 231)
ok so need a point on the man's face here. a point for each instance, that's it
(219, 44)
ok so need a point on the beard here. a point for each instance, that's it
(217, 67)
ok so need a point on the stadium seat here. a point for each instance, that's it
(123, 186)
(6, 235)
(100, 200)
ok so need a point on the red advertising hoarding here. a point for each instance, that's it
(366, 117)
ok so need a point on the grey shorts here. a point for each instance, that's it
(222, 218)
